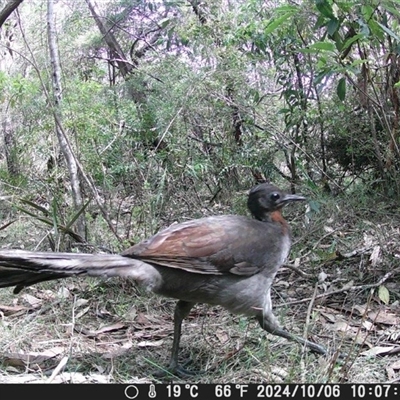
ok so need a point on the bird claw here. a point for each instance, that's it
(182, 372)
(177, 370)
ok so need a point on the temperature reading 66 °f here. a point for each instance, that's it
(176, 390)
(223, 391)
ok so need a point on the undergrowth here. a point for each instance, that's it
(111, 331)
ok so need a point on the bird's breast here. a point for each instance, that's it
(285, 248)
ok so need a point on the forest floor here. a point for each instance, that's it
(339, 289)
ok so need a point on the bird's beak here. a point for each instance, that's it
(288, 198)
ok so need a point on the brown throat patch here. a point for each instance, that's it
(276, 216)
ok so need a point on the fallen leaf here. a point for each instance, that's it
(395, 365)
(81, 303)
(32, 300)
(322, 276)
(147, 343)
(120, 351)
(9, 310)
(222, 336)
(383, 317)
(361, 309)
(142, 319)
(12, 370)
(109, 328)
(348, 285)
(21, 359)
(383, 294)
(374, 257)
(63, 293)
(58, 368)
(65, 377)
(349, 331)
(153, 334)
(45, 294)
(378, 350)
(368, 239)
(390, 373)
(131, 314)
(341, 326)
(278, 374)
(82, 312)
(368, 325)
(104, 314)
(329, 316)
(100, 368)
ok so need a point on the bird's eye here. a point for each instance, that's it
(275, 196)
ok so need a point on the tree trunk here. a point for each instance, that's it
(126, 67)
(64, 143)
(116, 51)
(8, 9)
(118, 58)
(10, 149)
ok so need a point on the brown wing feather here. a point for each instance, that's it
(205, 246)
(186, 246)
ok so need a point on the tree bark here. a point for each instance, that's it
(237, 121)
(10, 148)
(116, 51)
(8, 9)
(63, 141)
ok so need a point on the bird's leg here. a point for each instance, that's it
(182, 310)
(269, 323)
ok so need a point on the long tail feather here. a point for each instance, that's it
(24, 268)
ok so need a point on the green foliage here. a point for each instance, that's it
(341, 89)
(214, 97)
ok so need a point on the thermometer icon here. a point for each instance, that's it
(152, 391)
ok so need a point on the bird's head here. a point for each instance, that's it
(264, 199)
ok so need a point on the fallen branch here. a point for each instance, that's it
(7, 224)
(354, 253)
(59, 367)
(298, 271)
(337, 256)
(344, 289)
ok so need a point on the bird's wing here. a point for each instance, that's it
(213, 245)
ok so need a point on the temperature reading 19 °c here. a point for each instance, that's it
(179, 390)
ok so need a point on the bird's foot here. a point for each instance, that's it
(314, 347)
(177, 370)
(319, 349)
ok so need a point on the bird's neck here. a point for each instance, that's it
(277, 217)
